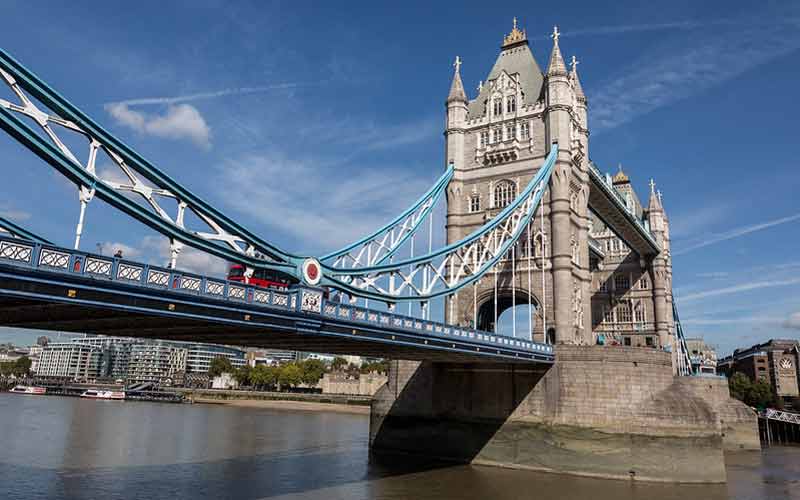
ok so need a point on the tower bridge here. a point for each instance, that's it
(595, 353)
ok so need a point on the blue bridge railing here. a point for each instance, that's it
(297, 299)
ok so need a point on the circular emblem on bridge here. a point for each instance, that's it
(312, 272)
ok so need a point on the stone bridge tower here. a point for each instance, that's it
(497, 142)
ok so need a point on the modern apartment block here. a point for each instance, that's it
(73, 360)
(199, 356)
(157, 362)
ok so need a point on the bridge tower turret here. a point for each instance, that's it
(661, 269)
(565, 125)
(456, 119)
(497, 142)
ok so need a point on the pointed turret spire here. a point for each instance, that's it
(576, 82)
(557, 66)
(655, 198)
(457, 88)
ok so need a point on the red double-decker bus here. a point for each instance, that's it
(264, 278)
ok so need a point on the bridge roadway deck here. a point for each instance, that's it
(50, 288)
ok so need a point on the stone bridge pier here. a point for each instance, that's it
(611, 412)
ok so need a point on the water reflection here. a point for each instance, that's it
(71, 448)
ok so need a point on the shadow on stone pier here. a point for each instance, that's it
(610, 412)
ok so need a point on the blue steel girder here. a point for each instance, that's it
(18, 231)
(376, 248)
(238, 244)
(44, 273)
(455, 266)
(450, 268)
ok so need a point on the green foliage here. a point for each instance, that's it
(219, 365)
(291, 375)
(758, 394)
(376, 366)
(242, 375)
(19, 368)
(263, 376)
(338, 363)
(312, 371)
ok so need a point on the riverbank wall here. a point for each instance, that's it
(611, 412)
(220, 395)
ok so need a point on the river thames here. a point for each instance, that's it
(68, 448)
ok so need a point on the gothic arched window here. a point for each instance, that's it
(510, 133)
(624, 312)
(504, 193)
(524, 130)
(474, 203)
(498, 135)
(498, 106)
(484, 138)
(539, 245)
(511, 104)
(638, 312)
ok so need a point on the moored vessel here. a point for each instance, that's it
(28, 389)
(98, 394)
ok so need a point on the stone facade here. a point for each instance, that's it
(340, 383)
(612, 412)
(496, 143)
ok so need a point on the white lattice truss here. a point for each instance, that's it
(375, 250)
(782, 416)
(453, 268)
(132, 182)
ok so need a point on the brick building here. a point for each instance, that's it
(774, 362)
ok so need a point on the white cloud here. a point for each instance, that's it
(189, 259)
(711, 58)
(734, 233)
(792, 322)
(155, 250)
(110, 248)
(743, 287)
(8, 212)
(181, 121)
(214, 94)
(313, 201)
(714, 275)
(696, 220)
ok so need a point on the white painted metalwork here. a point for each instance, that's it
(53, 258)
(215, 287)
(16, 251)
(452, 267)
(375, 250)
(125, 179)
(236, 292)
(782, 416)
(158, 278)
(129, 272)
(98, 266)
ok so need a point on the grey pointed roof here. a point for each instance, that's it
(577, 83)
(457, 89)
(556, 66)
(513, 59)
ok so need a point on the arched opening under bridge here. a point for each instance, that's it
(512, 307)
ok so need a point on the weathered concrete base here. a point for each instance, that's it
(599, 411)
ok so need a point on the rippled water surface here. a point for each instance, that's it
(65, 448)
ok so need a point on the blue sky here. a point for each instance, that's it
(312, 123)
